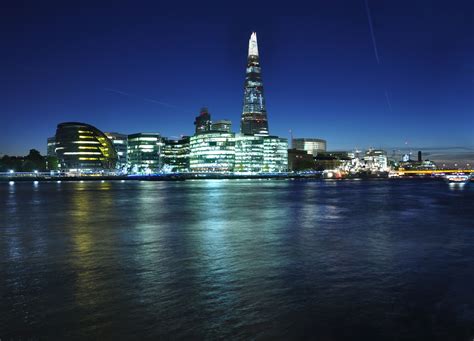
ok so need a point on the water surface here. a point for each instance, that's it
(264, 259)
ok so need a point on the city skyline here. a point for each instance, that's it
(366, 86)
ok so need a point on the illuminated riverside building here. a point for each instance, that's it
(310, 145)
(176, 155)
(260, 154)
(275, 154)
(145, 152)
(83, 148)
(212, 152)
(254, 114)
(215, 152)
(120, 144)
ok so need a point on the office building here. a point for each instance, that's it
(51, 146)
(212, 152)
(81, 147)
(260, 154)
(300, 160)
(120, 144)
(176, 155)
(145, 153)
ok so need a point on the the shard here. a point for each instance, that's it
(254, 114)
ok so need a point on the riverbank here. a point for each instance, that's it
(184, 177)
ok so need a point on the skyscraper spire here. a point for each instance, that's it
(253, 46)
(254, 115)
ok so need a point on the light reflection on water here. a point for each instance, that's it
(248, 258)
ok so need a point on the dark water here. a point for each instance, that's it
(334, 260)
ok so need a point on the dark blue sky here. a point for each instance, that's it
(144, 66)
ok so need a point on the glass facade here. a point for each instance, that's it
(50, 150)
(254, 114)
(310, 145)
(260, 154)
(83, 148)
(248, 153)
(176, 155)
(120, 144)
(145, 153)
(212, 152)
(275, 154)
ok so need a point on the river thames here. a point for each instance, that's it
(237, 259)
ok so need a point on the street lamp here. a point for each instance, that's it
(11, 171)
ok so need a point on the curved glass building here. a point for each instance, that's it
(84, 148)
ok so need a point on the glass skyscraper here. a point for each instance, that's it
(254, 114)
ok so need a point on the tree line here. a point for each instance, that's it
(34, 161)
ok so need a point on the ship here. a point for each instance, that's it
(457, 178)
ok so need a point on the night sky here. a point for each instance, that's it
(359, 76)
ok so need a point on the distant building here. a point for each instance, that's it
(83, 148)
(376, 160)
(202, 122)
(176, 154)
(120, 142)
(145, 152)
(310, 145)
(222, 125)
(331, 160)
(300, 160)
(212, 152)
(50, 150)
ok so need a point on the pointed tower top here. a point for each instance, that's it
(253, 47)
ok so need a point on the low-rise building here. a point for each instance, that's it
(212, 152)
(145, 153)
(310, 145)
(260, 154)
(300, 160)
(176, 155)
